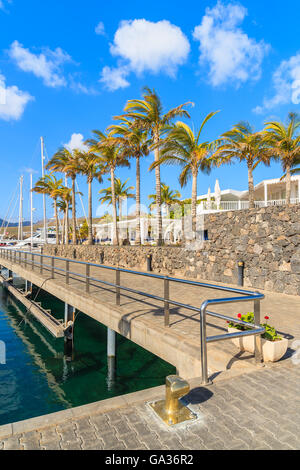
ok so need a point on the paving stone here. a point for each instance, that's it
(12, 443)
(50, 445)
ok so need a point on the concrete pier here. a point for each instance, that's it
(141, 320)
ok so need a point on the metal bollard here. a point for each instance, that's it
(241, 268)
(101, 257)
(171, 410)
(149, 262)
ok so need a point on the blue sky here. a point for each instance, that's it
(67, 67)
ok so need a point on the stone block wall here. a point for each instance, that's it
(266, 239)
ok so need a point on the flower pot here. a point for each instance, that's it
(272, 351)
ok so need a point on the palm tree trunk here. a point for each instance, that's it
(158, 193)
(115, 240)
(90, 228)
(138, 202)
(67, 225)
(194, 202)
(63, 230)
(288, 185)
(251, 187)
(56, 221)
(74, 212)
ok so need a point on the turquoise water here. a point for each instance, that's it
(38, 378)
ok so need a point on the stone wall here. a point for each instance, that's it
(266, 239)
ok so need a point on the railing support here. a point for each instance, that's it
(258, 346)
(204, 365)
(32, 261)
(52, 267)
(118, 280)
(67, 272)
(87, 278)
(166, 301)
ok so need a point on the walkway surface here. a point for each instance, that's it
(144, 317)
(256, 410)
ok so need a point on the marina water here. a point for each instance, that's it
(39, 378)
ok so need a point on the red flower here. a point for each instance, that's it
(267, 318)
(239, 315)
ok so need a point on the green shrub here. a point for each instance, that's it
(270, 334)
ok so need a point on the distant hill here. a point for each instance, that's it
(14, 224)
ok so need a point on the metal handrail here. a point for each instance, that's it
(253, 329)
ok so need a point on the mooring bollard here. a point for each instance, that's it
(171, 410)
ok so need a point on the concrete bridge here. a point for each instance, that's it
(166, 316)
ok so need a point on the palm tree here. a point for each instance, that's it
(64, 205)
(121, 192)
(134, 144)
(183, 147)
(52, 187)
(284, 144)
(91, 168)
(68, 162)
(242, 143)
(110, 158)
(149, 116)
(168, 197)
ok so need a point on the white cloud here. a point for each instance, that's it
(231, 55)
(12, 101)
(100, 30)
(114, 79)
(76, 142)
(286, 84)
(46, 65)
(145, 46)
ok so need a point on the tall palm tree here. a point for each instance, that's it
(149, 115)
(168, 197)
(52, 187)
(134, 143)
(184, 148)
(110, 158)
(91, 168)
(68, 162)
(246, 145)
(121, 192)
(283, 141)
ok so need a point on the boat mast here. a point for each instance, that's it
(31, 212)
(44, 195)
(20, 231)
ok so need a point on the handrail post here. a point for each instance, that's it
(204, 366)
(20, 262)
(258, 345)
(87, 279)
(15, 257)
(166, 303)
(52, 267)
(118, 280)
(41, 263)
(32, 261)
(25, 256)
(67, 272)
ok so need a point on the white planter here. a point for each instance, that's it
(272, 351)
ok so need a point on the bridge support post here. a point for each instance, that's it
(111, 357)
(28, 286)
(69, 332)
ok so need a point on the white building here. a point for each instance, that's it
(266, 193)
